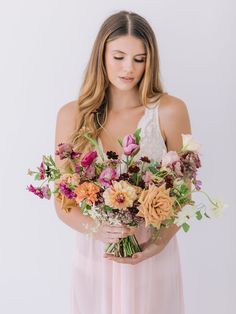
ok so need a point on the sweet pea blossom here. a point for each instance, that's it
(106, 176)
(42, 171)
(218, 208)
(130, 146)
(189, 143)
(88, 158)
(43, 192)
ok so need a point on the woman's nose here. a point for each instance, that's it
(128, 65)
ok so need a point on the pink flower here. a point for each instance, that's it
(90, 172)
(148, 177)
(36, 190)
(46, 192)
(88, 158)
(130, 146)
(41, 171)
(169, 158)
(106, 176)
(65, 150)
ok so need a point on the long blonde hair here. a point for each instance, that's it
(93, 96)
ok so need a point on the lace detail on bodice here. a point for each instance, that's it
(152, 143)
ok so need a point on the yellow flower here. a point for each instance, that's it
(121, 195)
(156, 205)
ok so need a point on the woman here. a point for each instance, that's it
(121, 92)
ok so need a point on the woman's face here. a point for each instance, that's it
(125, 61)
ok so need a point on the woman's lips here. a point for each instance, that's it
(126, 79)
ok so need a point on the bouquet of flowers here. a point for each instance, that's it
(157, 193)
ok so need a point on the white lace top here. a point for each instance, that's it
(152, 143)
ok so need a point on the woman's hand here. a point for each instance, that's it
(108, 233)
(149, 249)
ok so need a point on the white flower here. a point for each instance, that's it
(184, 215)
(189, 143)
(218, 208)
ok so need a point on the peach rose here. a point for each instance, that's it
(156, 205)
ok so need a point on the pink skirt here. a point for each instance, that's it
(100, 286)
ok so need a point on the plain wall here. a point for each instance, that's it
(45, 46)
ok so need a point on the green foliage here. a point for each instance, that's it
(199, 215)
(185, 227)
(137, 135)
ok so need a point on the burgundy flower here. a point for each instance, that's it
(88, 158)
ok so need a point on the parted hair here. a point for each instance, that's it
(92, 102)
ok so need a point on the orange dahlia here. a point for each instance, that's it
(88, 191)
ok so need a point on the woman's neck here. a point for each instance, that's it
(119, 100)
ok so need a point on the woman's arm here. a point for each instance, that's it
(174, 120)
(65, 124)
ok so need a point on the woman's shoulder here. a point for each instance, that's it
(173, 116)
(69, 109)
(170, 105)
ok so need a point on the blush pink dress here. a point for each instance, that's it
(153, 286)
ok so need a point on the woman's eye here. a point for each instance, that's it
(118, 58)
(142, 60)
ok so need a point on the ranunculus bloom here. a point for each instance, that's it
(169, 158)
(156, 205)
(106, 176)
(120, 195)
(189, 143)
(130, 146)
(87, 191)
(88, 158)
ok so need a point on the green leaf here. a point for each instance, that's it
(120, 142)
(185, 226)
(137, 135)
(198, 215)
(88, 206)
(153, 170)
(37, 177)
(107, 208)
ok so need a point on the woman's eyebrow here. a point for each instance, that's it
(139, 54)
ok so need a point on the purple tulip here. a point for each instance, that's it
(130, 146)
(106, 176)
(88, 158)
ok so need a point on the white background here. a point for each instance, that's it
(45, 46)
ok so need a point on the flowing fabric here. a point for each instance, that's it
(153, 286)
